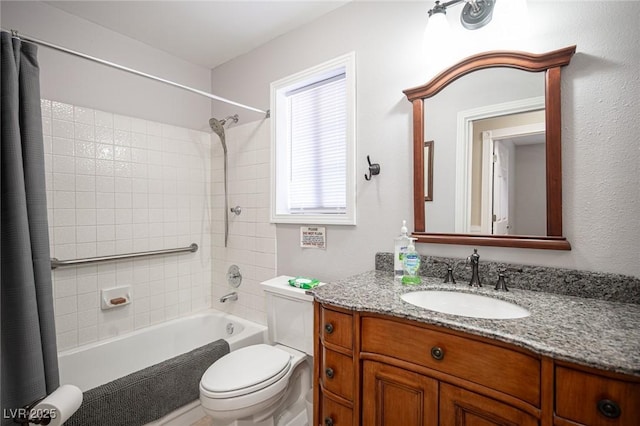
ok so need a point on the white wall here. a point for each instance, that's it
(128, 169)
(601, 195)
(77, 81)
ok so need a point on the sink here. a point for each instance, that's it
(465, 304)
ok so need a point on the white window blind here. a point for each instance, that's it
(313, 145)
(317, 140)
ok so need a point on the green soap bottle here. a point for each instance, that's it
(411, 265)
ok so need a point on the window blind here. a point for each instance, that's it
(317, 137)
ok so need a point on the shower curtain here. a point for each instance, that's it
(29, 354)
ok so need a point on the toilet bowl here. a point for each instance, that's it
(266, 384)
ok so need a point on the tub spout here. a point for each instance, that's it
(230, 296)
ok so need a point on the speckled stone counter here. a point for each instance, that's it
(586, 331)
(569, 282)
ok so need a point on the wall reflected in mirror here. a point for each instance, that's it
(490, 173)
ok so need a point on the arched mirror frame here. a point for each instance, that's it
(550, 63)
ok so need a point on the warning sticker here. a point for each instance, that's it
(313, 237)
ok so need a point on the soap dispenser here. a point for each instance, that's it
(411, 262)
(401, 244)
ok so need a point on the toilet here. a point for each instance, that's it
(263, 384)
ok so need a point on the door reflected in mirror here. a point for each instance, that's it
(512, 196)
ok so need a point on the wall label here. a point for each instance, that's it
(313, 237)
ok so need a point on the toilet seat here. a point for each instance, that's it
(245, 371)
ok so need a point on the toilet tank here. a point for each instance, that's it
(289, 314)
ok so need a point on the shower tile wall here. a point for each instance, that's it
(252, 239)
(119, 184)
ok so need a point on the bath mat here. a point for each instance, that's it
(149, 394)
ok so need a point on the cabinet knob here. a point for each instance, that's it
(437, 353)
(609, 409)
(329, 372)
(328, 328)
(328, 421)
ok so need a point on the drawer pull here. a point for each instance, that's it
(437, 353)
(329, 373)
(328, 421)
(609, 408)
(328, 328)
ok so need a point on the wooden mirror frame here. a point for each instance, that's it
(551, 64)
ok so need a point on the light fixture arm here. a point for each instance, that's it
(442, 7)
(475, 14)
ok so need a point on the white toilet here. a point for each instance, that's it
(263, 384)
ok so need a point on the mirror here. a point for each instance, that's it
(498, 169)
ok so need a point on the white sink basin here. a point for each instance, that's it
(465, 304)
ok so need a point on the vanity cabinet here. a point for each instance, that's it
(373, 369)
(585, 396)
(392, 395)
(335, 371)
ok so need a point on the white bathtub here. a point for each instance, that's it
(96, 364)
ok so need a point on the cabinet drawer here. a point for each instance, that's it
(337, 328)
(585, 398)
(337, 373)
(334, 414)
(499, 368)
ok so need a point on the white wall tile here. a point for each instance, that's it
(84, 115)
(62, 146)
(61, 111)
(104, 135)
(64, 217)
(63, 164)
(86, 217)
(105, 184)
(45, 107)
(121, 122)
(85, 149)
(64, 234)
(84, 132)
(120, 184)
(85, 183)
(104, 119)
(85, 200)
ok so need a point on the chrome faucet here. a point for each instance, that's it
(474, 259)
(231, 296)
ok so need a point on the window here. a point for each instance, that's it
(313, 145)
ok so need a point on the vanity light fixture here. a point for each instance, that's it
(475, 13)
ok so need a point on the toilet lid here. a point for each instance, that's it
(246, 370)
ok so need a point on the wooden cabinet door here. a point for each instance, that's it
(459, 407)
(392, 396)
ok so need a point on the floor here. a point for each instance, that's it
(205, 421)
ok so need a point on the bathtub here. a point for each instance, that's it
(95, 364)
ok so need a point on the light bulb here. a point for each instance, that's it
(437, 27)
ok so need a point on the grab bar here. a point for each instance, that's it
(55, 263)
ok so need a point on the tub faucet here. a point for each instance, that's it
(474, 259)
(230, 296)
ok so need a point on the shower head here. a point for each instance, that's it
(218, 125)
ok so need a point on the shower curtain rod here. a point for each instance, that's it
(15, 34)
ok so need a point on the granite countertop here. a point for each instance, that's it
(590, 332)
